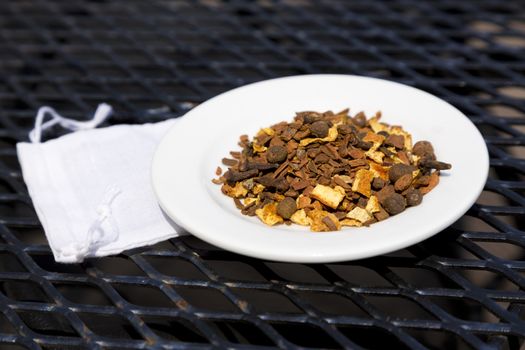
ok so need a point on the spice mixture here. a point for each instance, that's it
(328, 170)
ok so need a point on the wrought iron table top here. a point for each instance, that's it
(155, 60)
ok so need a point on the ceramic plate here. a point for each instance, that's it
(186, 159)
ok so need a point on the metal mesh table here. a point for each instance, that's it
(154, 60)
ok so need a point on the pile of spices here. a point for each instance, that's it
(328, 170)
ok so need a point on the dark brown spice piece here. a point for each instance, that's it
(360, 119)
(381, 215)
(310, 117)
(414, 197)
(394, 204)
(328, 222)
(403, 182)
(364, 145)
(238, 203)
(291, 193)
(378, 183)
(218, 171)
(301, 135)
(345, 129)
(423, 148)
(319, 129)
(276, 141)
(403, 156)
(397, 141)
(434, 164)
(356, 153)
(235, 176)
(298, 184)
(229, 162)
(398, 170)
(280, 185)
(384, 193)
(260, 166)
(386, 151)
(321, 159)
(276, 154)
(286, 207)
(422, 181)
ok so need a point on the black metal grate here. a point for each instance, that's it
(154, 60)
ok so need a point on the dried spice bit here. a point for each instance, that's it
(345, 129)
(377, 126)
(356, 153)
(364, 145)
(257, 188)
(238, 203)
(268, 214)
(422, 181)
(403, 182)
(363, 182)
(280, 184)
(233, 176)
(248, 184)
(384, 193)
(360, 119)
(229, 162)
(330, 224)
(300, 218)
(318, 221)
(286, 207)
(379, 170)
(378, 183)
(376, 139)
(397, 130)
(330, 197)
(397, 141)
(398, 170)
(432, 182)
(276, 154)
(423, 148)
(381, 215)
(260, 166)
(386, 151)
(434, 164)
(359, 214)
(351, 223)
(218, 171)
(311, 117)
(373, 206)
(402, 157)
(413, 197)
(376, 156)
(249, 202)
(394, 204)
(236, 191)
(319, 129)
(291, 193)
(302, 201)
(332, 136)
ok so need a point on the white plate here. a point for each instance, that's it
(187, 157)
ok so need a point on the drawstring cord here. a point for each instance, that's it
(103, 111)
(102, 231)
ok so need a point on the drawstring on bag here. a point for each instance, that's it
(103, 111)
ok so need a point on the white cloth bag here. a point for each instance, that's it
(92, 188)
